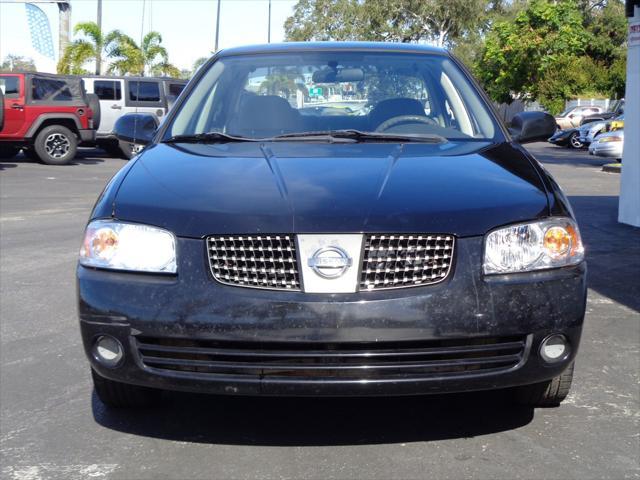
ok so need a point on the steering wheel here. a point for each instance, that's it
(393, 121)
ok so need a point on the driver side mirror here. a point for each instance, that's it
(529, 127)
(137, 128)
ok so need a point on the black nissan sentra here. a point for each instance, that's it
(332, 219)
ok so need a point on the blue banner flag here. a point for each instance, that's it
(40, 29)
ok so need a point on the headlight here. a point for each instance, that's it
(127, 246)
(611, 139)
(524, 247)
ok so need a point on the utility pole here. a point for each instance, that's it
(64, 19)
(99, 47)
(269, 26)
(217, 27)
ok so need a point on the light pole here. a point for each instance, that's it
(269, 26)
(64, 20)
(217, 27)
(99, 47)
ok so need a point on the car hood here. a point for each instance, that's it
(464, 188)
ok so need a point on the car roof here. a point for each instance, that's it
(126, 77)
(318, 46)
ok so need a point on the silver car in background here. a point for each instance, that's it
(608, 144)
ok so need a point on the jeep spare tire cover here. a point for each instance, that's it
(94, 105)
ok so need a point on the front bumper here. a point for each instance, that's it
(193, 308)
(613, 150)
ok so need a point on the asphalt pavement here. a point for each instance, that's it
(53, 426)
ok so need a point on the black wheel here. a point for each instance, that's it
(111, 147)
(56, 145)
(8, 151)
(546, 394)
(123, 395)
(574, 141)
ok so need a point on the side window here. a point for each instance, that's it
(144, 91)
(50, 89)
(10, 86)
(107, 90)
(176, 88)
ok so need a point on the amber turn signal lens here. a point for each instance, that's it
(557, 241)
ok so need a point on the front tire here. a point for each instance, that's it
(574, 141)
(123, 395)
(546, 394)
(56, 145)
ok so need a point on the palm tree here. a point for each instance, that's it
(83, 50)
(126, 54)
(165, 69)
(129, 58)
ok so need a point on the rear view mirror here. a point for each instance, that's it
(337, 76)
(532, 127)
(137, 128)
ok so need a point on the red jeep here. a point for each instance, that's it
(46, 116)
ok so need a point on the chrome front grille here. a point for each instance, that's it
(258, 261)
(313, 361)
(389, 261)
(396, 261)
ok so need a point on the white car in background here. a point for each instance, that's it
(608, 144)
(121, 95)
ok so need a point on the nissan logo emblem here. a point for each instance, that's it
(330, 262)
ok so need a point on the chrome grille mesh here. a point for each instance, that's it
(262, 261)
(394, 261)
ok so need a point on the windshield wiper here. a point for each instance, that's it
(210, 137)
(360, 136)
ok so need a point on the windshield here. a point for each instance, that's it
(268, 95)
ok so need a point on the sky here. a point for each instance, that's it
(187, 26)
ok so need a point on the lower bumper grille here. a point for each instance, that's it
(357, 361)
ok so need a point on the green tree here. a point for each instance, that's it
(556, 50)
(543, 38)
(124, 54)
(438, 21)
(86, 49)
(17, 63)
(198, 63)
(325, 20)
(128, 58)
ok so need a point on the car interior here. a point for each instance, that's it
(264, 102)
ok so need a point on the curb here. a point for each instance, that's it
(612, 167)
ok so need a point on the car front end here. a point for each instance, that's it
(589, 131)
(251, 260)
(609, 144)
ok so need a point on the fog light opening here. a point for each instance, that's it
(108, 351)
(554, 348)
